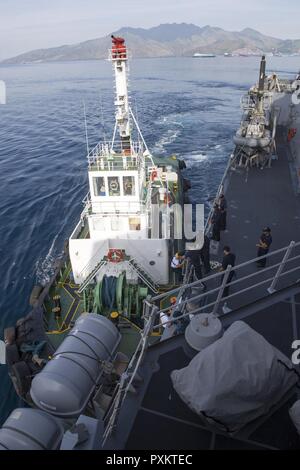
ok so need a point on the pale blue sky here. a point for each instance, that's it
(32, 24)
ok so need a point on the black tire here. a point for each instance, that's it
(21, 376)
(12, 354)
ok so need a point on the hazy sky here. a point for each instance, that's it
(32, 24)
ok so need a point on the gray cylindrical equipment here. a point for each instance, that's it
(28, 429)
(203, 330)
(66, 383)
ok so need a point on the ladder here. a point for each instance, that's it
(91, 276)
(144, 276)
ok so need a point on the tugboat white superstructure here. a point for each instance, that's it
(124, 183)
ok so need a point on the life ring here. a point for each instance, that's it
(115, 255)
(128, 185)
(114, 186)
(153, 175)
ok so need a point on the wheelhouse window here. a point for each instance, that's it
(113, 185)
(115, 224)
(99, 225)
(99, 186)
(134, 223)
(128, 185)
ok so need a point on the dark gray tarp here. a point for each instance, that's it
(236, 379)
(295, 415)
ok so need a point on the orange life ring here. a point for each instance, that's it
(115, 255)
(153, 175)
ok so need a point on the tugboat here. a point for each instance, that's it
(220, 378)
(120, 250)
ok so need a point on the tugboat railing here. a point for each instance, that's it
(104, 154)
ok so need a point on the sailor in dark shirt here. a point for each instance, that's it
(205, 254)
(194, 256)
(263, 247)
(216, 223)
(223, 209)
(228, 259)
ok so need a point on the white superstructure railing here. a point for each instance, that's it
(111, 155)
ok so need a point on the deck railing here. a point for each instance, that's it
(114, 155)
(265, 281)
(283, 270)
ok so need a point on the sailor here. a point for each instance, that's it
(205, 254)
(272, 80)
(264, 246)
(216, 223)
(181, 324)
(165, 319)
(223, 208)
(228, 259)
(194, 256)
(177, 265)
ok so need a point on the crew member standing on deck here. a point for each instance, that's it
(194, 256)
(228, 259)
(223, 208)
(205, 254)
(177, 265)
(216, 223)
(263, 247)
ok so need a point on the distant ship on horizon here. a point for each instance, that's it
(204, 56)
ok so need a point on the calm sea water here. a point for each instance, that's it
(188, 107)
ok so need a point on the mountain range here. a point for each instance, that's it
(166, 40)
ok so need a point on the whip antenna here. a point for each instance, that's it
(86, 131)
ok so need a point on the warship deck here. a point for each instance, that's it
(156, 417)
(258, 198)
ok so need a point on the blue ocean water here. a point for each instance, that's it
(185, 106)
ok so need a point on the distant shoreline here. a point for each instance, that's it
(4, 64)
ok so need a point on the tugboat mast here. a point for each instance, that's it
(118, 57)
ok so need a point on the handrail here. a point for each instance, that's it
(236, 268)
(91, 275)
(144, 275)
(281, 274)
(88, 265)
(128, 376)
(152, 312)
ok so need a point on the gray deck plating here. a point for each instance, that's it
(257, 198)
